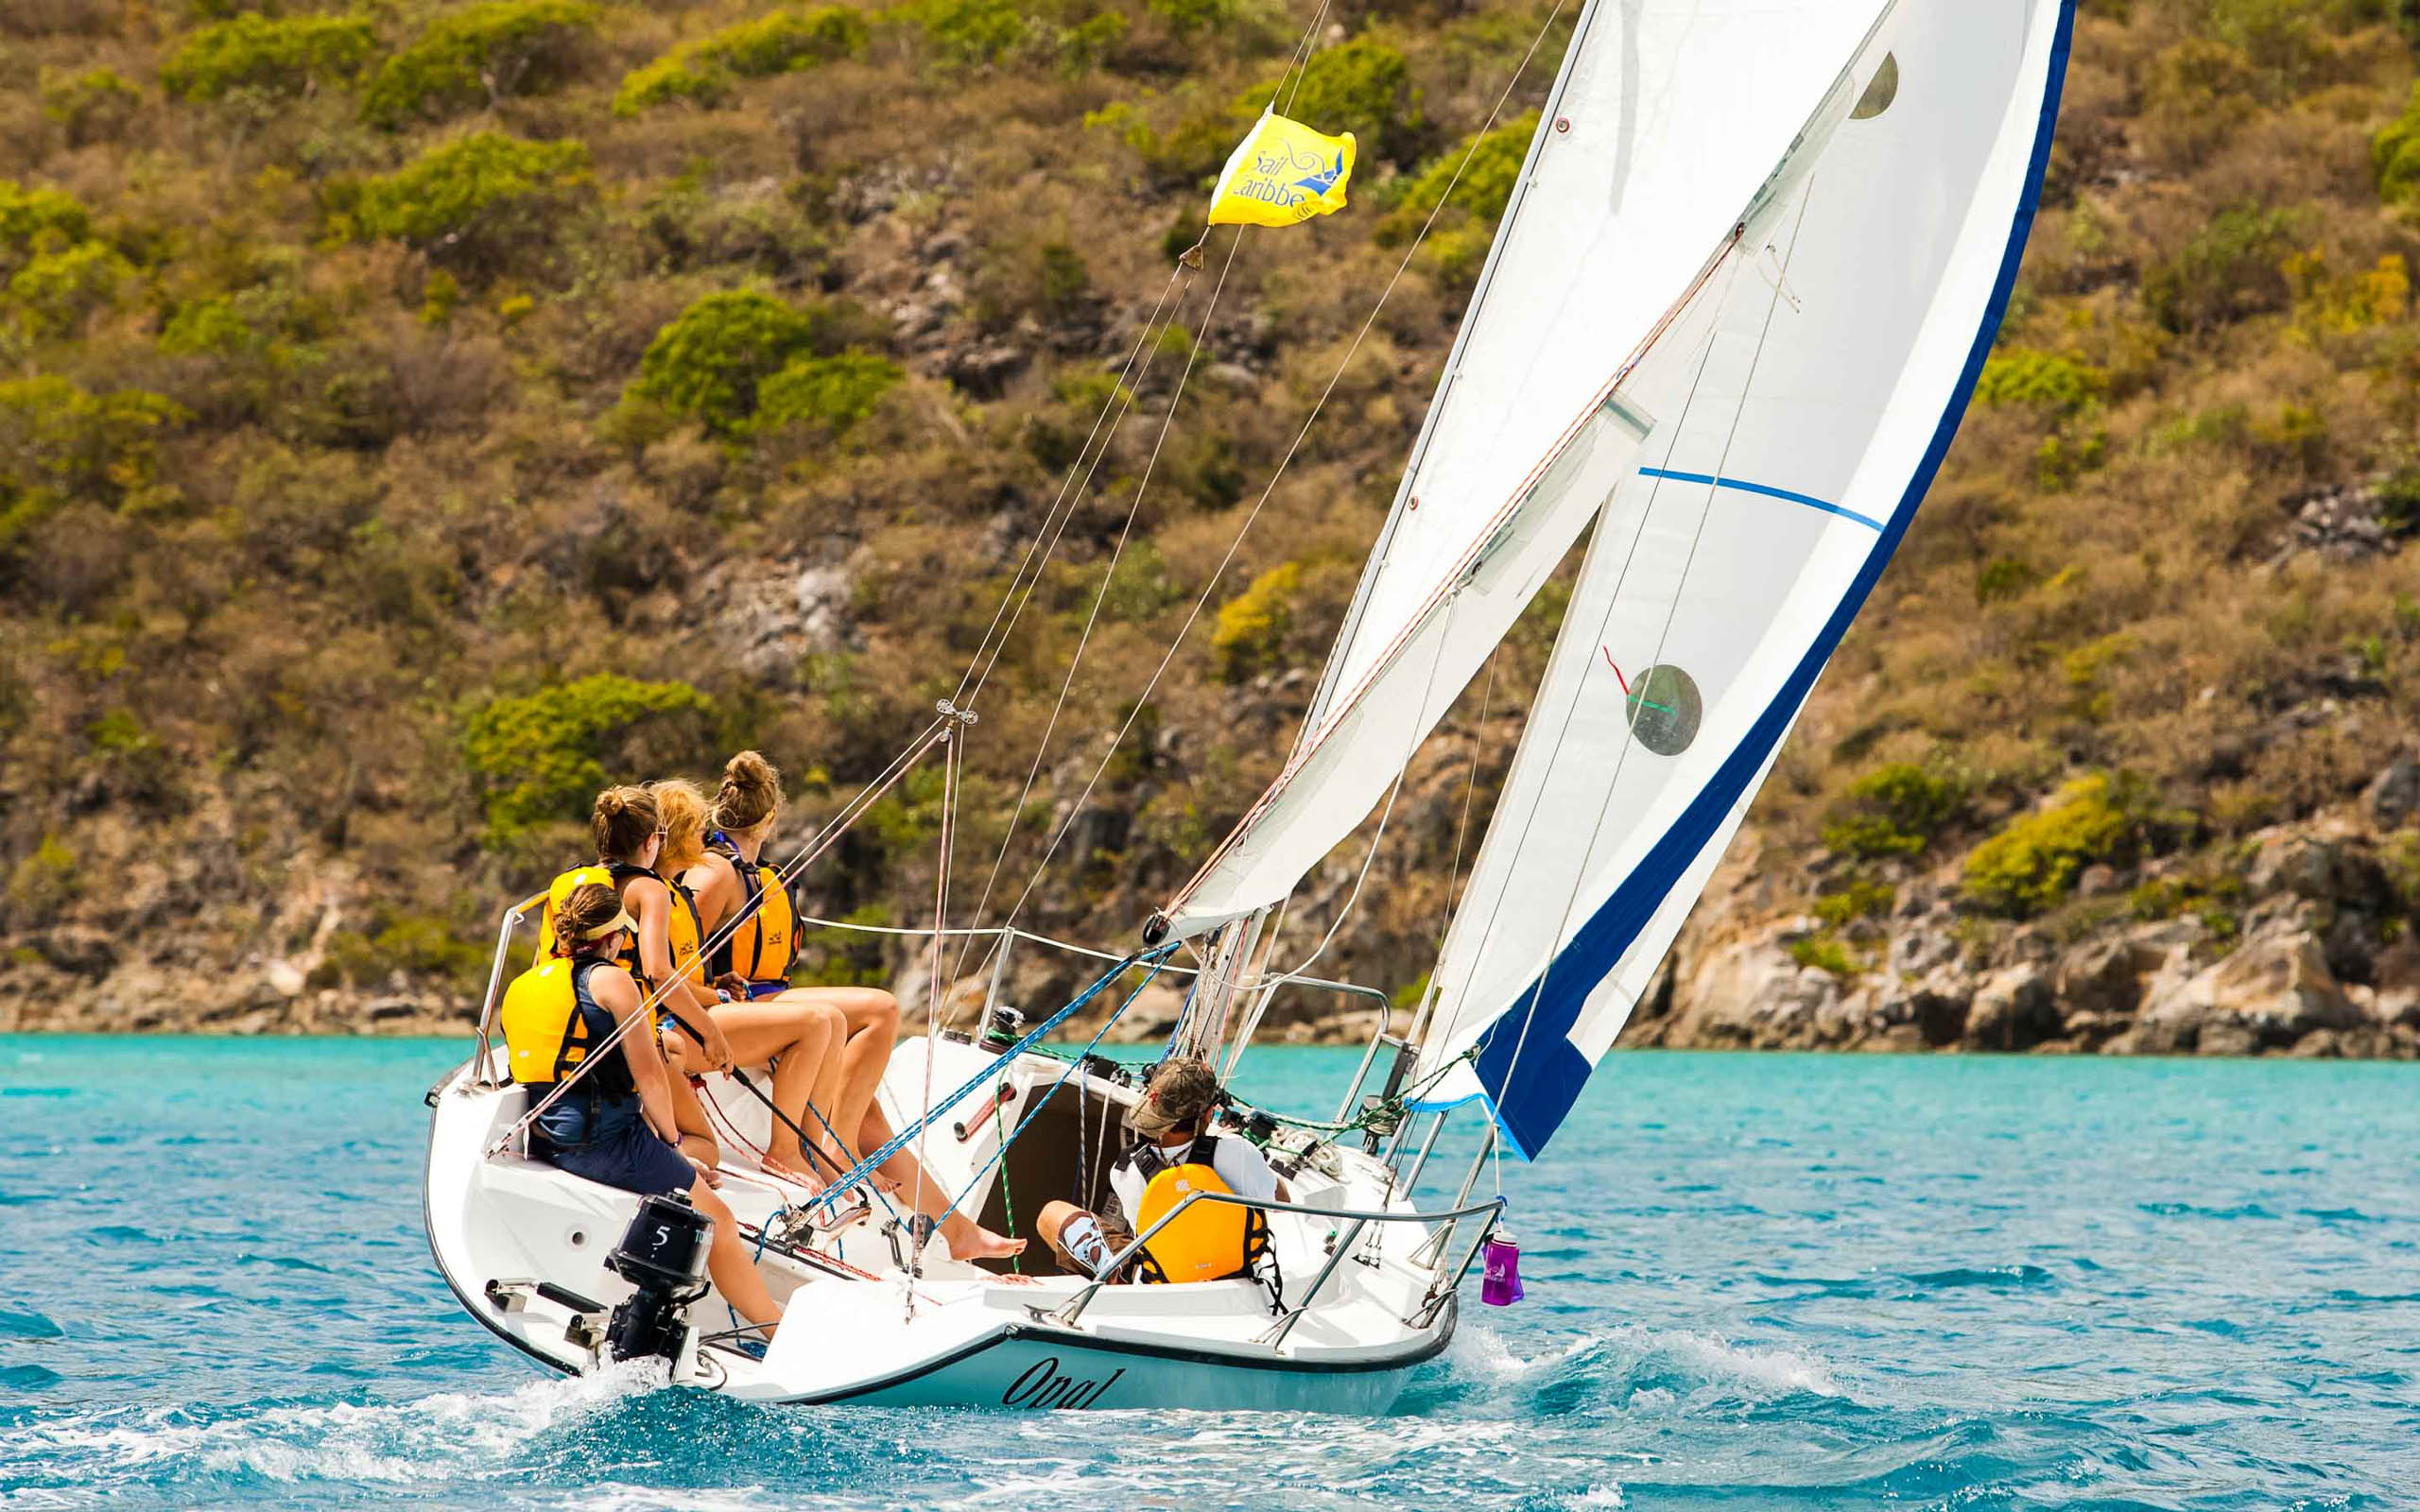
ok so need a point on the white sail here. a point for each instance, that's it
(1666, 117)
(1796, 447)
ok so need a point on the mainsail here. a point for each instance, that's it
(1666, 117)
(1791, 454)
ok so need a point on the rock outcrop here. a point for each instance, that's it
(2315, 956)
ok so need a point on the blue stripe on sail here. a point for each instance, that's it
(1552, 1072)
(1808, 499)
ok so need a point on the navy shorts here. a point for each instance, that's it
(623, 1152)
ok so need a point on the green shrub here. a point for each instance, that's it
(38, 220)
(965, 33)
(2233, 267)
(93, 106)
(829, 393)
(1482, 191)
(477, 201)
(276, 55)
(56, 291)
(1364, 87)
(1251, 626)
(1825, 954)
(480, 56)
(45, 882)
(703, 72)
(2395, 154)
(2399, 502)
(1859, 898)
(205, 328)
(1185, 17)
(58, 442)
(1050, 283)
(2060, 385)
(2033, 864)
(710, 361)
(413, 945)
(542, 757)
(1895, 810)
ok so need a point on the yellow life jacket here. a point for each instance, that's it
(558, 891)
(686, 934)
(550, 1022)
(682, 925)
(764, 944)
(1209, 1240)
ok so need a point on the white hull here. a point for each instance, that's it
(499, 1225)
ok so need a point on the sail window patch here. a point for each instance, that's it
(1664, 708)
(1878, 94)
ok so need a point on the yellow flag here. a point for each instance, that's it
(1283, 174)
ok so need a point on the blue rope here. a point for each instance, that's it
(906, 1136)
(1044, 1101)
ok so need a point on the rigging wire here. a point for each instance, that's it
(1092, 618)
(1298, 68)
(1121, 395)
(1217, 574)
(920, 1233)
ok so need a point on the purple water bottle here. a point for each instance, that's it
(1501, 1286)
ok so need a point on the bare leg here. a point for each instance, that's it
(968, 1240)
(727, 1262)
(872, 1019)
(799, 1044)
(1050, 1222)
(689, 1117)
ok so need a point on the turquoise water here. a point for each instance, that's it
(1754, 1280)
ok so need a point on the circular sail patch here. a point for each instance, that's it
(1664, 709)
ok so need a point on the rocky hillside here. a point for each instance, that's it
(414, 412)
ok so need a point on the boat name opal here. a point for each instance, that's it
(1042, 1385)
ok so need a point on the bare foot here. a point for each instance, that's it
(985, 1245)
(783, 1170)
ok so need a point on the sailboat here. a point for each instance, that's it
(1755, 259)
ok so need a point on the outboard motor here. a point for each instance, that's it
(663, 1255)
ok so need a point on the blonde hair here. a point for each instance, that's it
(682, 810)
(621, 822)
(750, 796)
(587, 906)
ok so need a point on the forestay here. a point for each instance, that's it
(1794, 450)
(1666, 116)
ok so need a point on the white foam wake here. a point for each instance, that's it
(1715, 1362)
(432, 1438)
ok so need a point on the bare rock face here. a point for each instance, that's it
(2271, 990)
(2323, 867)
(2393, 798)
(765, 621)
(1752, 993)
(1152, 1015)
(2015, 1008)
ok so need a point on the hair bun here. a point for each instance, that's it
(750, 791)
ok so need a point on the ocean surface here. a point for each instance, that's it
(1754, 1281)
